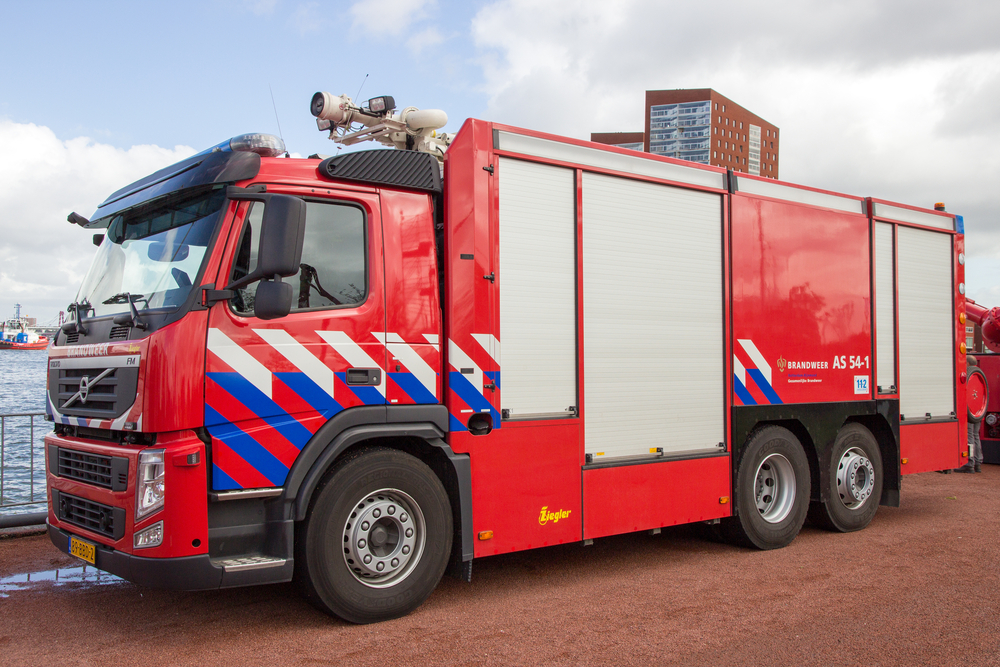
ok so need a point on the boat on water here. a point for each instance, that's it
(18, 335)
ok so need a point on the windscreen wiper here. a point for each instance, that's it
(76, 324)
(132, 317)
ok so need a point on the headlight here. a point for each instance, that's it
(150, 487)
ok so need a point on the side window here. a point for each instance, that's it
(246, 260)
(334, 259)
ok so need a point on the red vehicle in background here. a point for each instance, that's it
(984, 395)
(363, 370)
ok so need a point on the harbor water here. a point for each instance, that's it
(22, 391)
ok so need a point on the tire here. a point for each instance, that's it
(855, 482)
(976, 382)
(376, 539)
(772, 490)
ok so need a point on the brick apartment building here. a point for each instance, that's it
(700, 125)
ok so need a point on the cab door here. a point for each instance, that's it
(270, 384)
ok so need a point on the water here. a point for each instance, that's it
(22, 390)
(83, 576)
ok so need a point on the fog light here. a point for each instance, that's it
(150, 537)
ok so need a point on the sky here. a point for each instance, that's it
(884, 98)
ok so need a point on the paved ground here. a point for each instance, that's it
(920, 586)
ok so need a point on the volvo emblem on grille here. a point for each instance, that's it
(86, 382)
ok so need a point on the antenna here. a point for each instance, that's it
(275, 106)
(360, 87)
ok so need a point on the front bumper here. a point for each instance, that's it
(184, 573)
(187, 573)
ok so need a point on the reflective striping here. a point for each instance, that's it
(243, 391)
(413, 388)
(240, 361)
(459, 360)
(300, 357)
(739, 386)
(411, 359)
(351, 352)
(739, 372)
(764, 386)
(489, 343)
(757, 358)
(247, 448)
(433, 339)
(472, 396)
(309, 391)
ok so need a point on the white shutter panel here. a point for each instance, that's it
(652, 336)
(926, 324)
(537, 286)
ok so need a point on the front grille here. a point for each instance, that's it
(72, 339)
(109, 472)
(107, 398)
(102, 519)
(119, 333)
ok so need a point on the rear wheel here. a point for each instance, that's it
(855, 482)
(377, 537)
(772, 490)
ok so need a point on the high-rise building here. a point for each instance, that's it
(700, 125)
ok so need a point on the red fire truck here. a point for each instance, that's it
(366, 370)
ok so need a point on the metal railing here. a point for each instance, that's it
(22, 469)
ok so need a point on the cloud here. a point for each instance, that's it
(308, 18)
(424, 39)
(880, 98)
(388, 17)
(42, 179)
(262, 7)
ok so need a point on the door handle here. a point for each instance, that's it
(368, 376)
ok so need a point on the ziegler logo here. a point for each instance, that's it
(554, 517)
(781, 364)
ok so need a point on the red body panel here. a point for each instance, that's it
(174, 398)
(413, 308)
(927, 447)
(801, 297)
(517, 471)
(184, 514)
(640, 497)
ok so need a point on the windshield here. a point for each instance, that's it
(152, 256)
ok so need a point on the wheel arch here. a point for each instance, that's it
(419, 432)
(816, 426)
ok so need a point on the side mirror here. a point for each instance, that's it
(272, 300)
(279, 251)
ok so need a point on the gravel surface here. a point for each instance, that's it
(919, 586)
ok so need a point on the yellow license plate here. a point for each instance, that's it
(81, 549)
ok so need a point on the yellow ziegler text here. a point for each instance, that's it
(554, 517)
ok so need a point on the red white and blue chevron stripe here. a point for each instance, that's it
(466, 382)
(264, 407)
(752, 381)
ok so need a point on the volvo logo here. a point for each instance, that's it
(86, 382)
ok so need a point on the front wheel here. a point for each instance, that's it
(377, 537)
(854, 482)
(772, 490)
